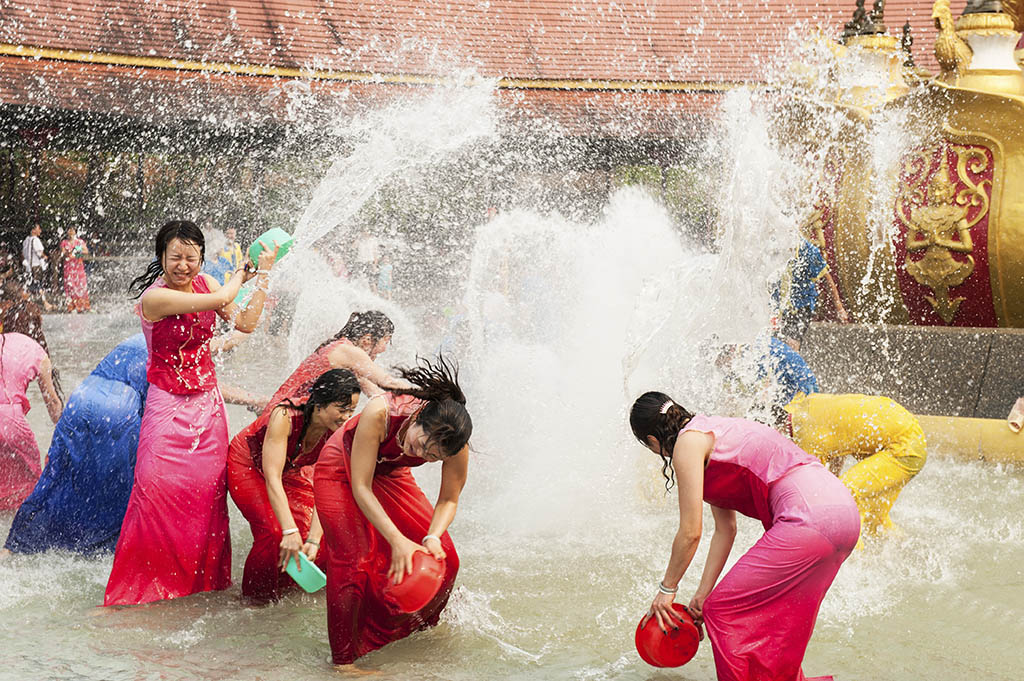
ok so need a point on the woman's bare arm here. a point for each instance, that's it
(50, 398)
(358, 362)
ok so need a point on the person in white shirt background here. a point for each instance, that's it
(33, 259)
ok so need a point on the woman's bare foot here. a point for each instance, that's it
(4, 554)
(1016, 418)
(352, 671)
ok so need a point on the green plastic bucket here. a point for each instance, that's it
(311, 578)
(284, 241)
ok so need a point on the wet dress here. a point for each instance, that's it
(76, 285)
(79, 502)
(174, 540)
(262, 579)
(302, 379)
(20, 361)
(360, 619)
(761, 615)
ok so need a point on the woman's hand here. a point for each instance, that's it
(291, 544)
(267, 257)
(264, 262)
(433, 546)
(696, 610)
(661, 609)
(311, 550)
(401, 559)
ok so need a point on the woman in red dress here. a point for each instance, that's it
(374, 515)
(174, 540)
(76, 286)
(270, 478)
(355, 347)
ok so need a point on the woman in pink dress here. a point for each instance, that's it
(374, 515)
(22, 360)
(174, 540)
(760, 617)
(270, 477)
(76, 286)
(355, 347)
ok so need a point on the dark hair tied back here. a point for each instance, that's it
(372, 322)
(647, 419)
(175, 229)
(444, 417)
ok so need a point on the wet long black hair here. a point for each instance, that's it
(334, 385)
(646, 419)
(184, 231)
(444, 417)
(373, 322)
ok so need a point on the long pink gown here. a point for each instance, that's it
(175, 540)
(76, 285)
(20, 358)
(761, 615)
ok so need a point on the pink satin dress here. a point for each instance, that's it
(761, 615)
(20, 359)
(175, 540)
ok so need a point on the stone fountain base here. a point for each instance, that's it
(962, 381)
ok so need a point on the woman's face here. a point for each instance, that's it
(334, 415)
(181, 262)
(374, 349)
(415, 444)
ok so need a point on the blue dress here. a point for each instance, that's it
(79, 502)
(791, 371)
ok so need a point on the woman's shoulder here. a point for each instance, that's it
(205, 281)
(157, 284)
(279, 421)
(20, 340)
(25, 348)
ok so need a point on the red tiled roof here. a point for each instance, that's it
(666, 41)
(669, 40)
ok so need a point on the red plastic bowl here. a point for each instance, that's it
(673, 649)
(418, 588)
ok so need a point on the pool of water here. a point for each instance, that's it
(556, 572)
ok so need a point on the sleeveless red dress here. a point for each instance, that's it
(359, 618)
(262, 579)
(304, 376)
(175, 538)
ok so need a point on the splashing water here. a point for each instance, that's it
(558, 320)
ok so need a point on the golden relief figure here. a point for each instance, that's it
(951, 51)
(940, 228)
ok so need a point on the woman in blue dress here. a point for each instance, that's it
(79, 501)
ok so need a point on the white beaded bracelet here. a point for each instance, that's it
(429, 536)
(665, 590)
(292, 530)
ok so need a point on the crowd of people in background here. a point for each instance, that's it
(54, 273)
